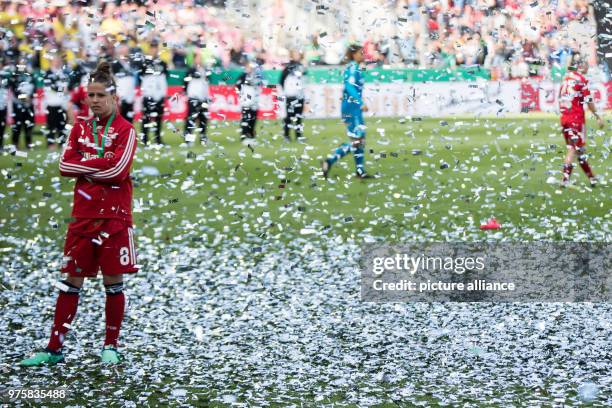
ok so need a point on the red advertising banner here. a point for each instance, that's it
(432, 99)
(224, 104)
(543, 96)
(39, 108)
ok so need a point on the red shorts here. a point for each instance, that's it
(574, 133)
(94, 244)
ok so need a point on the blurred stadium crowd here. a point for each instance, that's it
(54, 44)
(513, 38)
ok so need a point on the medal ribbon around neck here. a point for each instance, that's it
(100, 148)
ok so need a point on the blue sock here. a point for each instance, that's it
(359, 153)
(339, 153)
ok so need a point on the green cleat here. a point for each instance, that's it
(41, 358)
(109, 355)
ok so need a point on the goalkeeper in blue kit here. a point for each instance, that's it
(352, 115)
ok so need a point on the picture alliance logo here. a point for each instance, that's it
(412, 264)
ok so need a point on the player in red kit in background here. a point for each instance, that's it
(77, 105)
(99, 154)
(574, 94)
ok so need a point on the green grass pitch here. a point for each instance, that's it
(437, 180)
(293, 334)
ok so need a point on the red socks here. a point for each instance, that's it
(65, 310)
(586, 168)
(584, 164)
(115, 307)
(567, 172)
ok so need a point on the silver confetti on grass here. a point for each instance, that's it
(219, 324)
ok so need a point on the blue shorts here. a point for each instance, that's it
(355, 125)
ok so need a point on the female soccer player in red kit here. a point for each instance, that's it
(574, 94)
(99, 155)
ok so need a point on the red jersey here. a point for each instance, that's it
(77, 97)
(574, 94)
(103, 187)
